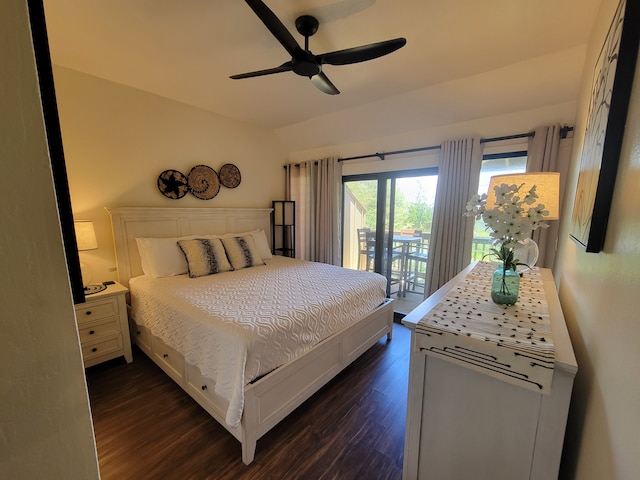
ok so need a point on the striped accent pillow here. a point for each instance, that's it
(205, 256)
(242, 252)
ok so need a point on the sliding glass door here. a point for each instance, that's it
(386, 226)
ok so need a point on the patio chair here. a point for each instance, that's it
(366, 257)
(418, 265)
(366, 246)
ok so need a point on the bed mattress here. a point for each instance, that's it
(237, 326)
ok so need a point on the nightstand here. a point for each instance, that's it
(103, 326)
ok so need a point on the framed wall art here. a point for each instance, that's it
(608, 105)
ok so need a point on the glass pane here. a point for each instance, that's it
(495, 166)
(413, 215)
(414, 201)
(359, 224)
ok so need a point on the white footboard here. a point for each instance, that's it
(274, 396)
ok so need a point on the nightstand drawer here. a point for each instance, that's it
(96, 310)
(100, 330)
(99, 349)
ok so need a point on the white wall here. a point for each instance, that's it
(495, 126)
(117, 140)
(599, 296)
(45, 423)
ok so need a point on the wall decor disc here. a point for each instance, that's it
(173, 184)
(229, 175)
(204, 182)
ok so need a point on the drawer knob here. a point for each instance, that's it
(88, 312)
(165, 355)
(94, 349)
(204, 387)
(91, 332)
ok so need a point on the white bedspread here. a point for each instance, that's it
(237, 326)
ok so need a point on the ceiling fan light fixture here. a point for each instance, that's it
(322, 83)
(306, 67)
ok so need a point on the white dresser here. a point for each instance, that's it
(463, 423)
(103, 326)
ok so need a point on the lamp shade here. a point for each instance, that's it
(85, 235)
(284, 212)
(547, 188)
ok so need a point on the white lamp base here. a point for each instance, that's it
(87, 275)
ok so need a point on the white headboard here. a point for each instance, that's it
(131, 222)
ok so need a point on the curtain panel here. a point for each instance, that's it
(452, 232)
(542, 156)
(316, 187)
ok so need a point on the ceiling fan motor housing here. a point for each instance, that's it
(307, 25)
(306, 65)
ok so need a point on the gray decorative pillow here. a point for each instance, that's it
(205, 256)
(242, 252)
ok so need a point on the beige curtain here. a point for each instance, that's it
(542, 156)
(316, 188)
(452, 232)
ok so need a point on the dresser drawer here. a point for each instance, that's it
(96, 310)
(100, 329)
(109, 347)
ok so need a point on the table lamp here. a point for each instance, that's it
(548, 190)
(547, 187)
(86, 240)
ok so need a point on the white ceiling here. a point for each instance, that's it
(464, 59)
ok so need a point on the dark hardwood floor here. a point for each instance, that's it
(146, 427)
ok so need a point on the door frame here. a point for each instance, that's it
(382, 178)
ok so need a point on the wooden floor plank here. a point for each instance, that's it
(146, 427)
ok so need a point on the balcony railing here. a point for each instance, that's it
(480, 247)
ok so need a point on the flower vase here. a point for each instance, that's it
(505, 286)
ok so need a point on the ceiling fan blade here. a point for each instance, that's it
(285, 67)
(322, 83)
(276, 27)
(362, 53)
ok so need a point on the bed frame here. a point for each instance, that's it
(275, 395)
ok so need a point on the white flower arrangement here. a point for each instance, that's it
(513, 217)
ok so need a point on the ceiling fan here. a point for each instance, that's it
(305, 63)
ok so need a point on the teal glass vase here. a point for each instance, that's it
(505, 286)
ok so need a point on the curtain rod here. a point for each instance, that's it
(563, 134)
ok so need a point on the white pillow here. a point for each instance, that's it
(161, 257)
(262, 244)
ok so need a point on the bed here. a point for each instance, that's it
(256, 385)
